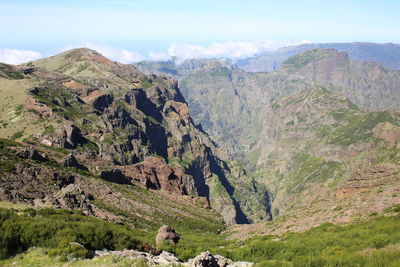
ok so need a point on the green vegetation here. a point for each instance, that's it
(61, 100)
(17, 135)
(7, 156)
(57, 229)
(372, 243)
(8, 71)
(306, 168)
(357, 128)
(49, 129)
(302, 59)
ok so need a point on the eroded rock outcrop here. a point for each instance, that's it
(73, 197)
(167, 233)
(71, 161)
(154, 173)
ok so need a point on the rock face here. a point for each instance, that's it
(31, 153)
(386, 54)
(73, 197)
(167, 233)
(71, 161)
(136, 126)
(218, 91)
(154, 173)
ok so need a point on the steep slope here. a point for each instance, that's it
(120, 124)
(323, 158)
(365, 83)
(36, 175)
(317, 155)
(220, 97)
(229, 102)
(386, 54)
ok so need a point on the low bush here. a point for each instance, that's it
(59, 229)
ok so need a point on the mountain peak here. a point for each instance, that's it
(302, 59)
(78, 61)
(83, 51)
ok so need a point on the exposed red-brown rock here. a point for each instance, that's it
(154, 173)
(39, 109)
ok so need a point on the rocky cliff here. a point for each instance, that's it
(285, 124)
(317, 153)
(118, 123)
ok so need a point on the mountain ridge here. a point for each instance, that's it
(110, 114)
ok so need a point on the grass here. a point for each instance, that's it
(57, 229)
(357, 128)
(372, 243)
(306, 168)
(12, 116)
(302, 59)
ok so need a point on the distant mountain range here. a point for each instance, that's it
(386, 54)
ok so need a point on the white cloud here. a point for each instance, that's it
(181, 51)
(159, 56)
(116, 54)
(15, 56)
(232, 50)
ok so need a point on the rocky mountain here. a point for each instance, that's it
(386, 54)
(327, 88)
(102, 155)
(229, 103)
(117, 123)
(318, 149)
(132, 128)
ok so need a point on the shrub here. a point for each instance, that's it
(59, 229)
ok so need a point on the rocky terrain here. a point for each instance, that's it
(310, 134)
(315, 141)
(117, 123)
(229, 103)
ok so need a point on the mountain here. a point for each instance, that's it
(324, 158)
(386, 54)
(117, 123)
(229, 103)
(98, 155)
(238, 109)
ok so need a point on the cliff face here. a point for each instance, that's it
(120, 124)
(135, 129)
(230, 103)
(323, 158)
(268, 122)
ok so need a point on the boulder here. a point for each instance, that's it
(205, 259)
(165, 258)
(166, 232)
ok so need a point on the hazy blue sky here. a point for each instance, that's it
(133, 29)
